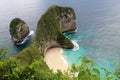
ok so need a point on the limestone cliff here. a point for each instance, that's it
(66, 18)
(18, 30)
(51, 25)
(49, 33)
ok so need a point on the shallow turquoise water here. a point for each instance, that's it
(72, 56)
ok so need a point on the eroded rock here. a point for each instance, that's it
(18, 30)
(52, 24)
(67, 20)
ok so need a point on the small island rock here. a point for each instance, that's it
(18, 30)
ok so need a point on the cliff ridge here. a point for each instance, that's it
(51, 26)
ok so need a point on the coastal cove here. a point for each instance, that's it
(97, 28)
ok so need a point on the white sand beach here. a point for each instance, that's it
(55, 60)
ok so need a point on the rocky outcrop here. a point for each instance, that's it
(67, 20)
(52, 24)
(49, 34)
(18, 30)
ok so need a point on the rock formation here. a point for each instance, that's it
(18, 30)
(49, 33)
(52, 24)
(67, 19)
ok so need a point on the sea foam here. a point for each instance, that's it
(76, 45)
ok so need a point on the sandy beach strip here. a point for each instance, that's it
(55, 60)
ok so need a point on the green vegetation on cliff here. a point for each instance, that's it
(3, 52)
(29, 54)
(11, 69)
(117, 72)
(48, 28)
(18, 30)
(29, 64)
(13, 25)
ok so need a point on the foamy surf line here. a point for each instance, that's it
(63, 58)
(76, 45)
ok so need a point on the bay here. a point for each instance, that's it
(98, 25)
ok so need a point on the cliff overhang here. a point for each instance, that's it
(51, 26)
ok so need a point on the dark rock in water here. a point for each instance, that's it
(52, 24)
(18, 30)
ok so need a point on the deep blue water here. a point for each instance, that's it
(98, 27)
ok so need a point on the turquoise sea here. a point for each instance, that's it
(98, 27)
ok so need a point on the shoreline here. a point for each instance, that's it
(26, 38)
(55, 60)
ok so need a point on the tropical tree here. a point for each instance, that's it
(3, 53)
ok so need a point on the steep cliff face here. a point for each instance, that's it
(52, 24)
(49, 33)
(18, 30)
(66, 19)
